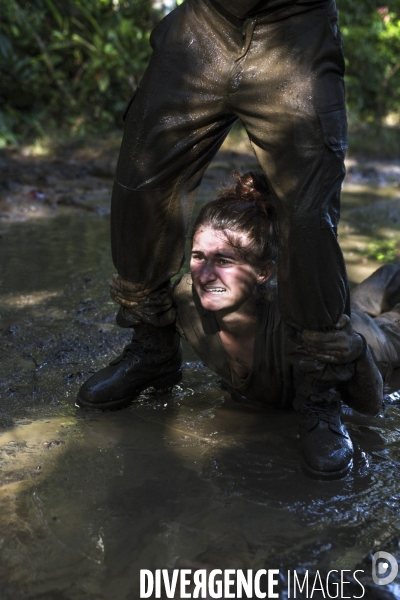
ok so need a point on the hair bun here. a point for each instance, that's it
(245, 185)
(252, 187)
(247, 207)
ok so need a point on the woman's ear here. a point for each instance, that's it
(265, 273)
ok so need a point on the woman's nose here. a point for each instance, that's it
(207, 272)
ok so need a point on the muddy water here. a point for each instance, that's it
(190, 479)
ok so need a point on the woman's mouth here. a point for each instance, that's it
(214, 290)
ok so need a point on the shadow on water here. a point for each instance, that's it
(190, 479)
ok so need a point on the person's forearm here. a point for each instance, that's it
(364, 391)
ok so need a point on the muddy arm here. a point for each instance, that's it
(364, 391)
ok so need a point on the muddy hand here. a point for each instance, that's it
(339, 346)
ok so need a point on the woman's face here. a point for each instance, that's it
(222, 278)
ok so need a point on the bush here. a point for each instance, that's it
(371, 36)
(73, 63)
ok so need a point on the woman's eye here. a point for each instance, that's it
(223, 261)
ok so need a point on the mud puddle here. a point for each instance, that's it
(190, 479)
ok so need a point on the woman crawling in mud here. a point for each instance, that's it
(228, 312)
(227, 309)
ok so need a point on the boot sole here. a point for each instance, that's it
(326, 475)
(163, 382)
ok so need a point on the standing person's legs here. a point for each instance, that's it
(174, 125)
(291, 101)
(285, 89)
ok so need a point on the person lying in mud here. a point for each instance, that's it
(227, 310)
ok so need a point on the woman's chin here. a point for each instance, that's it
(213, 304)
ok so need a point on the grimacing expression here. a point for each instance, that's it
(223, 279)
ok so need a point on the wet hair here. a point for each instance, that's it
(245, 207)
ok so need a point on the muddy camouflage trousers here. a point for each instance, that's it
(279, 72)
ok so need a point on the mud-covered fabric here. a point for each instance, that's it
(271, 379)
(243, 8)
(375, 307)
(379, 293)
(274, 375)
(281, 74)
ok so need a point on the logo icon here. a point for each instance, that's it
(384, 568)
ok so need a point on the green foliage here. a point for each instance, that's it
(371, 36)
(384, 250)
(73, 63)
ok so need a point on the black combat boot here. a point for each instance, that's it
(152, 359)
(326, 447)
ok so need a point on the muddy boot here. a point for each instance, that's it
(152, 359)
(326, 447)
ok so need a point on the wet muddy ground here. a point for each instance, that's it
(189, 479)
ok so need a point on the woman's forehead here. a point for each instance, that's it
(214, 240)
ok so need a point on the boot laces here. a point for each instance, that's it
(144, 348)
(131, 351)
(322, 412)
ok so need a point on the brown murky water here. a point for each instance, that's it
(190, 479)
